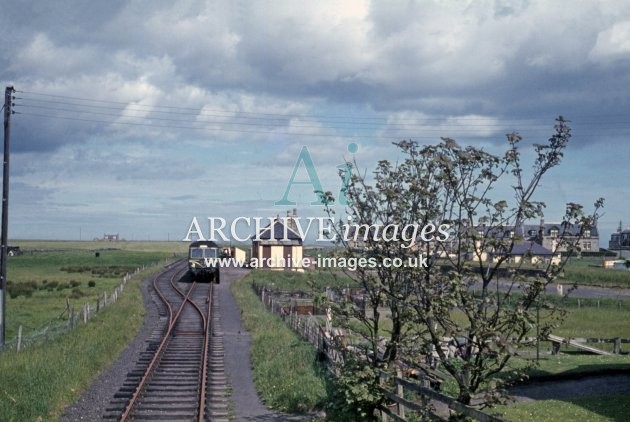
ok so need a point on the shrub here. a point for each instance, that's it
(25, 288)
(91, 283)
(77, 293)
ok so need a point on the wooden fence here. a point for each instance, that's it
(417, 380)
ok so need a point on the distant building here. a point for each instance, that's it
(620, 241)
(279, 246)
(111, 237)
(550, 233)
(537, 243)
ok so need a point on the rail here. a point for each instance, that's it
(173, 320)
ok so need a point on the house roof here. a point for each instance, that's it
(276, 231)
(530, 248)
(566, 229)
(528, 231)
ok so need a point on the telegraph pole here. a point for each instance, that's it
(8, 104)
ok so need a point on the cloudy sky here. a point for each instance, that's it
(135, 116)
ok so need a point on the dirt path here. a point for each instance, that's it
(237, 342)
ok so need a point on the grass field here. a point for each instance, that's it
(608, 320)
(38, 382)
(589, 271)
(589, 408)
(48, 274)
(604, 318)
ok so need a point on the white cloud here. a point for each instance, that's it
(612, 43)
(221, 88)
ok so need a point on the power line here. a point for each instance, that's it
(76, 108)
(155, 107)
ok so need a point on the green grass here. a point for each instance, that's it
(589, 271)
(47, 263)
(609, 320)
(591, 408)
(287, 375)
(38, 382)
(312, 281)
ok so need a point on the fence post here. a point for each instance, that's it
(98, 304)
(616, 351)
(381, 383)
(400, 393)
(105, 298)
(19, 339)
(85, 314)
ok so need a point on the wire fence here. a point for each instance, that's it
(73, 316)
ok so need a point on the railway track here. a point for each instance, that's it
(181, 375)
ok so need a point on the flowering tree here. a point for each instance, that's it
(462, 296)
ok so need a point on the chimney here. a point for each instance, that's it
(291, 219)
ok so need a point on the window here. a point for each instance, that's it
(199, 253)
(586, 246)
(587, 233)
(553, 232)
(210, 253)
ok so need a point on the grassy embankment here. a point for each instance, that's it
(608, 320)
(287, 375)
(38, 382)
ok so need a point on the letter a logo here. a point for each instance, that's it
(313, 180)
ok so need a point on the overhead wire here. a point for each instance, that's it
(201, 118)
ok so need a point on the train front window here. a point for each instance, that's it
(210, 253)
(196, 253)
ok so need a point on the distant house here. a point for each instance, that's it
(278, 246)
(534, 243)
(550, 233)
(620, 241)
(111, 237)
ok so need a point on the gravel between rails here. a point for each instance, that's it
(246, 403)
